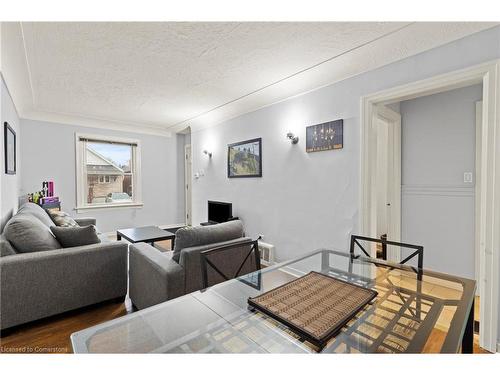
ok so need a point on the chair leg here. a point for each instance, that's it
(468, 338)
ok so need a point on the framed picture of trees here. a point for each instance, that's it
(244, 159)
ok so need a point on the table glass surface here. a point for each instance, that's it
(413, 312)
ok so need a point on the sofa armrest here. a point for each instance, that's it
(84, 221)
(40, 284)
(153, 276)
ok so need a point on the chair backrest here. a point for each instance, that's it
(229, 261)
(418, 250)
(188, 237)
(190, 260)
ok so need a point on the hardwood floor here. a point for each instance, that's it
(52, 335)
(437, 337)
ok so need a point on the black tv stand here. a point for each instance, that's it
(206, 223)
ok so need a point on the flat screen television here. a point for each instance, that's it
(219, 212)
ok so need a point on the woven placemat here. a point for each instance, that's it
(314, 306)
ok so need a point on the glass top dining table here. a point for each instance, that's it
(415, 311)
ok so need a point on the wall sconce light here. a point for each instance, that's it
(293, 138)
(207, 153)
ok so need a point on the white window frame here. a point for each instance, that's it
(81, 178)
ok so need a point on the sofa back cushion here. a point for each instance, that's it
(5, 247)
(205, 235)
(26, 233)
(36, 211)
(76, 236)
(62, 219)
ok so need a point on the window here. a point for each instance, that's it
(104, 179)
(108, 172)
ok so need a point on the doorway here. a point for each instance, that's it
(487, 221)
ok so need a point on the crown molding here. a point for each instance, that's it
(88, 122)
(410, 40)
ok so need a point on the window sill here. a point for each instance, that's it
(106, 206)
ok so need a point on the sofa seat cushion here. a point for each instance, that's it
(205, 235)
(26, 233)
(62, 219)
(36, 211)
(76, 236)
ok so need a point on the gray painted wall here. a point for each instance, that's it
(51, 155)
(437, 147)
(304, 201)
(9, 189)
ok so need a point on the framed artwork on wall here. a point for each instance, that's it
(9, 149)
(244, 159)
(325, 136)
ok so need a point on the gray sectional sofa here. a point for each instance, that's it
(155, 277)
(39, 278)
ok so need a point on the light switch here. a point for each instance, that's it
(468, 177)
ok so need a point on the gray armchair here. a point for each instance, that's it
(155, 277)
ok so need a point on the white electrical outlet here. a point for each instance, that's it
(468, 177)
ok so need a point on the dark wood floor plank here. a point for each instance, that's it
(52, 335)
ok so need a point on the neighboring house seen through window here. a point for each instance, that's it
(108, 172)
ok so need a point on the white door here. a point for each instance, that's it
(187, 179)
(388, 177)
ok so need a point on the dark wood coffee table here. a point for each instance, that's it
(149, 234)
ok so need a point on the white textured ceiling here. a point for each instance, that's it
(165, 76)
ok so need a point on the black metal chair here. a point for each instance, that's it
(419, 250)
(230, 261)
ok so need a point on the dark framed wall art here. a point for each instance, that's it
(244, 159)
(9, 149)
(325, 136)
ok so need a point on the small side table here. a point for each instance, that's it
(149, 234)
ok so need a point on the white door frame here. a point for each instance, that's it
(488, 222)
(393, 119)
(477, 197)
(188, 185)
